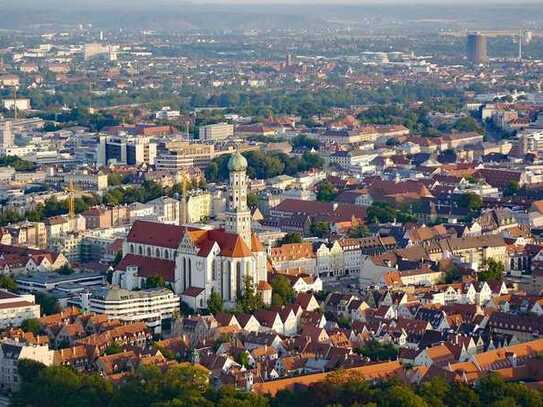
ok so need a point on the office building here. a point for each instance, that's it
(476, 49)
(177, 155)
(214, 132)
(126, 150)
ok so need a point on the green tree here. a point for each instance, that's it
(293, 237)
(377, 351)
(493, 271)
(249, 300)
(359, 231)
(320, 229)
(113, 349)
(155, 282)
(326, 192)
(512, 189)
(65, 270)
(215, 303)
(470, 200)
(282, 287)
(115, 179)
(252, 200)
(49, 304)
(8, 283)
(31, 325)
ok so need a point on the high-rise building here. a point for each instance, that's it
(126, 150)
(476, 49)
(6, 135)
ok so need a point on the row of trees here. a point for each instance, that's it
(17, 163)
(51, 207)
(264, 165)
(187, 385)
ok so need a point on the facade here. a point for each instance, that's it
(214, 132)
(197, 261)
(14, 309)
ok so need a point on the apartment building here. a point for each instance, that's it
(177, 155)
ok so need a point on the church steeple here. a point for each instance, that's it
(238, 215)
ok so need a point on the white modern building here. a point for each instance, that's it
(14, 309)
(150, 306)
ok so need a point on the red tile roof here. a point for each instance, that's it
(149, 266)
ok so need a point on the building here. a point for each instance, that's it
(151, 306)
(177, 155)
(11, 352)
(214, 132)
(14, 309)
(86, 181)
(19, 104)
(126, 149)
(476, 49)
(6, 135)
(197, 261)
(47, 281)
(103, 218)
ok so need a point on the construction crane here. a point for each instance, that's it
(71, 189)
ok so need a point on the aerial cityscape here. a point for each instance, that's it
(282, 204)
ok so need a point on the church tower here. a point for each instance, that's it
(238, 215)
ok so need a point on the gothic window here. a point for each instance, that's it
(131, 250)
(190, 272)
(213, 270)
(140, 249)
(184, 273)
(149, 251)
(157, 252)
(238, 278)
(166, 255)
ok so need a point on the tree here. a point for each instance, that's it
(377, 351)
(155, 282)
(252, 200)
(215, 303)
(115, 179)
(512, 188)
(249, 300)
(289, 238)
(31, 325)
(282, 287)
(326, 192)
(8, 283)
(114, 348)
(65, 270)
(493, 271)
(359, 231)
(452, 275)
(320, 229)
(304, 141)
(470, 200)
(49, 304)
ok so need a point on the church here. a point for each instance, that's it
(194, 262)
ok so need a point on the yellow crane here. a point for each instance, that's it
(71, 189)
